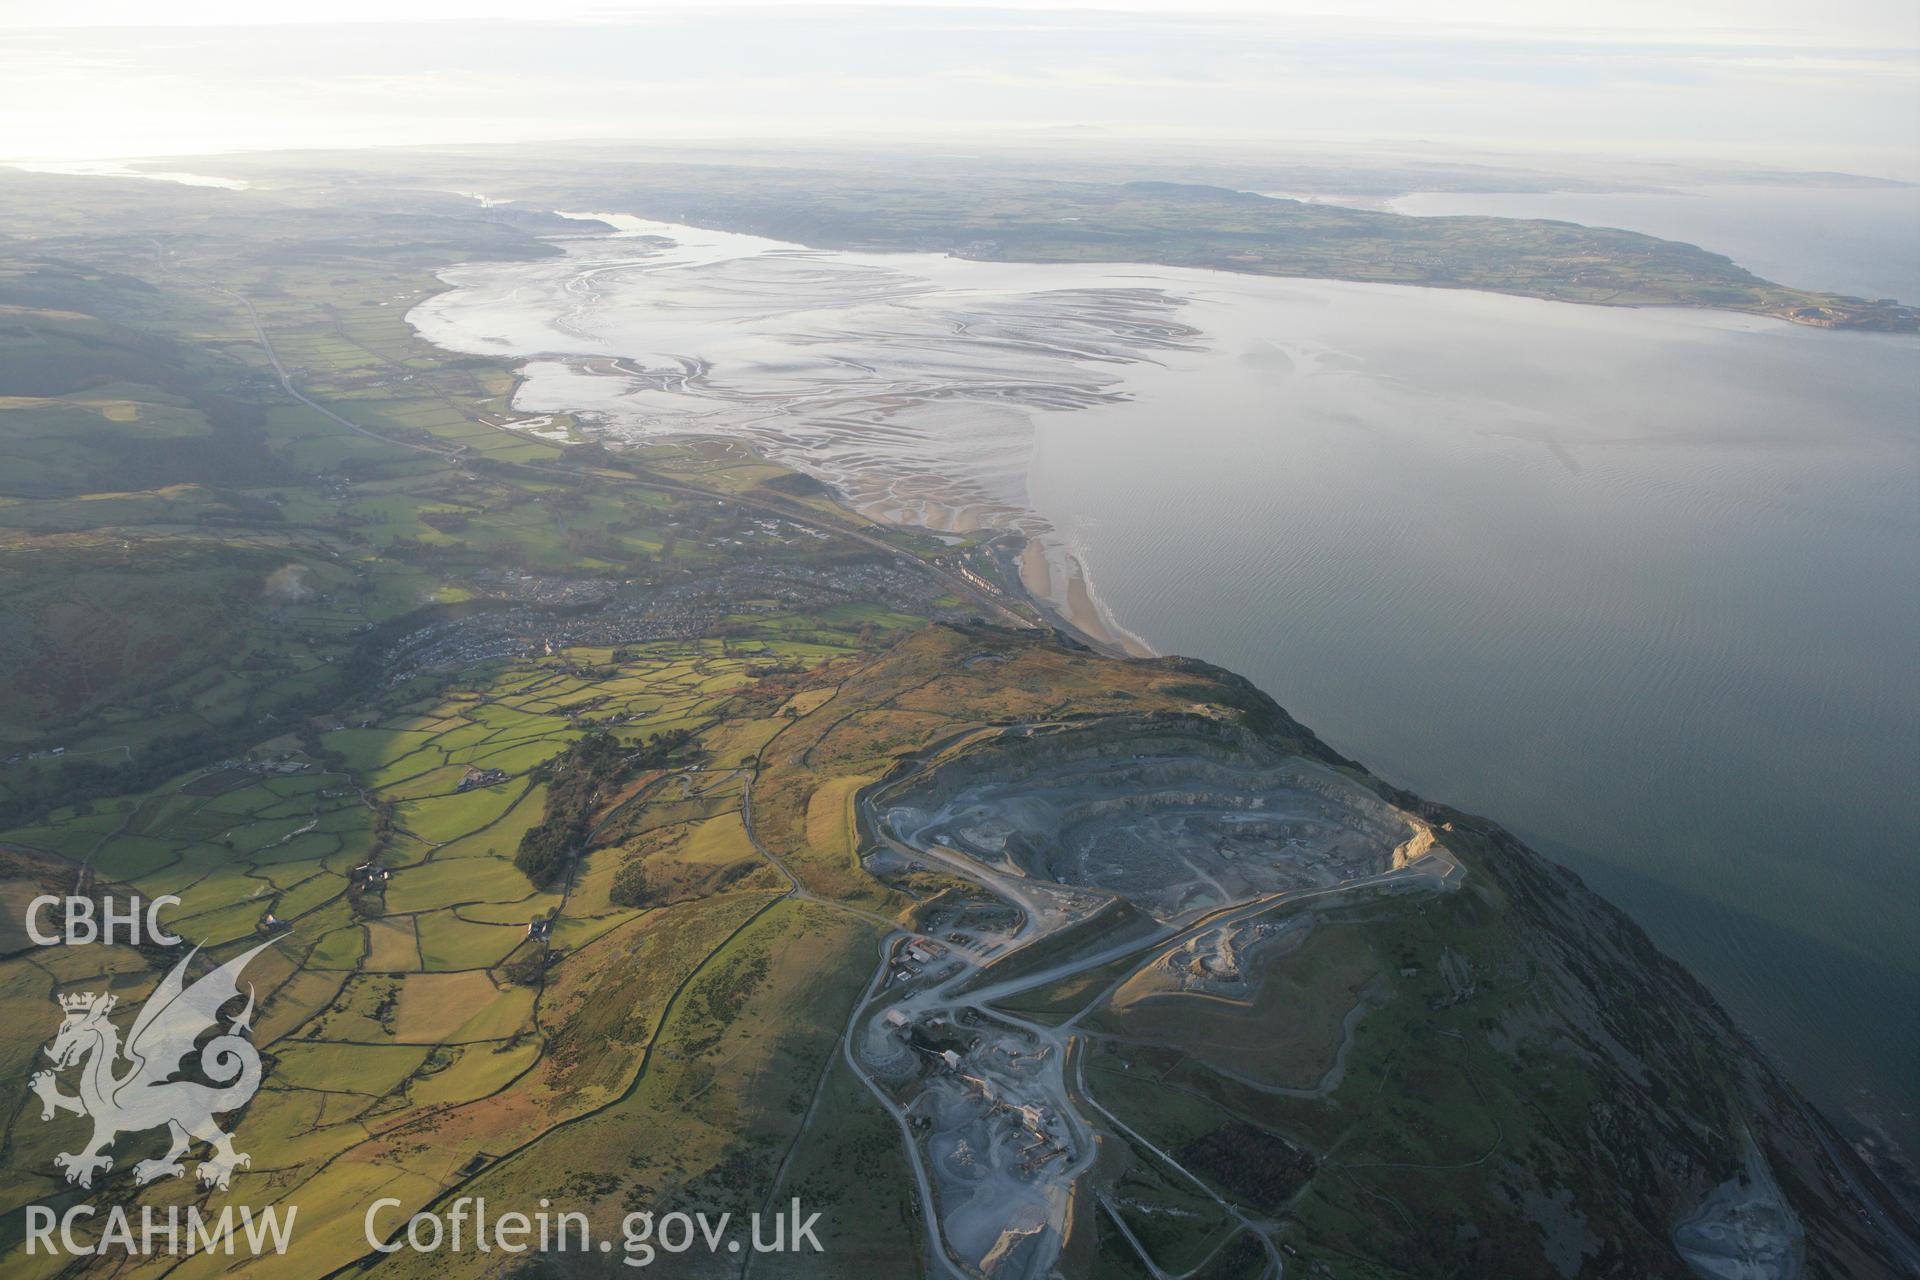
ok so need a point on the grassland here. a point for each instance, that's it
(188, 553)
(420, 1040)
(307, 669)
(413, 1027)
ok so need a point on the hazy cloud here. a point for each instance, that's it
(1833, 85)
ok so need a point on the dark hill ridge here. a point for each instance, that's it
(1531, 1088)
(1665, 1091)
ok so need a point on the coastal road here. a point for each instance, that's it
(286, 382)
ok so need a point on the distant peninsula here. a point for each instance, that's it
(999, 213)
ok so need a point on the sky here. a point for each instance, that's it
(1795, 83)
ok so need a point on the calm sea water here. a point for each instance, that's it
(1864, 242)
(1639, 584)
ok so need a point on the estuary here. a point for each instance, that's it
(1636, 583)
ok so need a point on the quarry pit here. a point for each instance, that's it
(1180, 820)
(1192, 824)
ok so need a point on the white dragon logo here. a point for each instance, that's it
(144, 1096)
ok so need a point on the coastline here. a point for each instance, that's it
(924, 677)
(1074, 611)
(1062, 594)
(1073, 607)
(1040, 569)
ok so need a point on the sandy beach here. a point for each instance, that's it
(1075, 606)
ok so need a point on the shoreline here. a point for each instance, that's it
(1031, 578)
(1088, 615)
(1057, 587)
(1076, 610)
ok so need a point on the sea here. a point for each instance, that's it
(1639, 584)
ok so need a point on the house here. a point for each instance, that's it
(368, 876)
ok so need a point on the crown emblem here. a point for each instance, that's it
(84, 1001)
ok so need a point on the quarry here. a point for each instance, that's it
(1181, 820)
(1208, 834)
